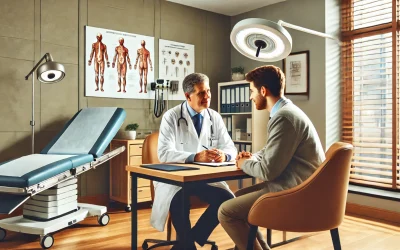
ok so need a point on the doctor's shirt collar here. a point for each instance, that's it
(192, 112)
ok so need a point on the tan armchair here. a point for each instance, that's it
(150, 156)
(317, 204)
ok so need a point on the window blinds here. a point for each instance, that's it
(370, 91)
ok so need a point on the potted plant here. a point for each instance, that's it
(237, 73)
(130, 131)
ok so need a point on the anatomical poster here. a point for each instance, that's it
(118, 64)
(176, 60)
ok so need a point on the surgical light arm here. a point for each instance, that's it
(313, 32)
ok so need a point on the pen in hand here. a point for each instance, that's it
(208, 149)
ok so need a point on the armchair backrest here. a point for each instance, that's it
(149, 154)
(315, 205)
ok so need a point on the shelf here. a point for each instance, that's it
(240, 141)
(240, 113)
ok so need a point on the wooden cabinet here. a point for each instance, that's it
(120, 179)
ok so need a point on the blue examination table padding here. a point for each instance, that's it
(46, 183)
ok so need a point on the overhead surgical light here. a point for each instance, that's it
(264, 40)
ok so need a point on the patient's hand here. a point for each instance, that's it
(243, 154)
(239, 163)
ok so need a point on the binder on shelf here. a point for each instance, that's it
(237, 145)
(248, 125)
(247, 98)
(230, 126)
(233, 104)
(225, 120)
(242, 99)
(223, 100)
(237, 99)
(228, 100)
(248, 129)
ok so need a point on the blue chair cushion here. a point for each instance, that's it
(33, 169)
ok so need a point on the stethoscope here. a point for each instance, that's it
(187, 124)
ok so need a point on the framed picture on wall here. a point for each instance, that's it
(297, 71)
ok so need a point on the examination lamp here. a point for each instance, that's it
(264, 40)
(48, 72)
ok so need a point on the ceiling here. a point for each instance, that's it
(227, 7)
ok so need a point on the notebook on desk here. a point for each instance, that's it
(168, 168)
(215, 164)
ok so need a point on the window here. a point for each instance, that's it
(371, 90)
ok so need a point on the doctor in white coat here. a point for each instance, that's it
(185, 131)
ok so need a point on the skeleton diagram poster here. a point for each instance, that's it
(118, 64)
(176, 60)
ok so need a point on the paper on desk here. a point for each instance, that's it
(215, 164)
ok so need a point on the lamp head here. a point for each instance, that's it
(50, 72)
(261, 40)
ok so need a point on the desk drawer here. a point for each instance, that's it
(144, 193)
(135, 160)
(140, 182)
(135, 149)
(143, 182)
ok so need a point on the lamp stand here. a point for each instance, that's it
(45, 74)
(32, 123)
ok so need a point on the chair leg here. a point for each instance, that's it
(169, 225)
(269, 237)
(335, 239)
(252, 237)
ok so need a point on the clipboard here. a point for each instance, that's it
(168, 168)
(215, 164)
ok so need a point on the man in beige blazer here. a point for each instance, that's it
(292, 152)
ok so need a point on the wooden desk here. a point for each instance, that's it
(179, 178)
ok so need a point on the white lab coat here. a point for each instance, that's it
(176, 143)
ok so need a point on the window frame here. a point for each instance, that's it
(348, 35)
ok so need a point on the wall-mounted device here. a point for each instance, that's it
(159, 103)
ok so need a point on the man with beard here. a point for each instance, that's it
(292, 153)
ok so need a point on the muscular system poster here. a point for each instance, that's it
(118, 64)
(176, 61)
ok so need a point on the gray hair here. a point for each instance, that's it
(191, 80)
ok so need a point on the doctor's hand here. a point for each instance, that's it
(208, 156)
(239, 163)
(219, 156)
(243, 154)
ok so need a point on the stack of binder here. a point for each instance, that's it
(243, 147)
(235, 99)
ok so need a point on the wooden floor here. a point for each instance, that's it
(355, 234)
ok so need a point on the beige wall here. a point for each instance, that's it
(30, 28)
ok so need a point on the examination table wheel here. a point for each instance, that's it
(103, 219)
(3, 234)
(214, 247)
(145, 246)
(128, 208)
(46, 241)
